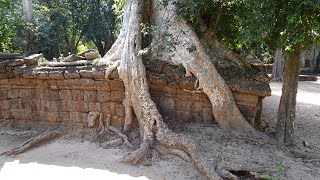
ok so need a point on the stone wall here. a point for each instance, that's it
(65, 95)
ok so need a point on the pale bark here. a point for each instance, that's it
(277, 70)
(125, 55)
(287, 106)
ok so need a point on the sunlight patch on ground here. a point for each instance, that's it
(303, 96)
(35, 171)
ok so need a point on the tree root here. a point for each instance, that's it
(123, 138)
(163, 150)
(33, 142)
(138, 154)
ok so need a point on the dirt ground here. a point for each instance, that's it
(75, 157)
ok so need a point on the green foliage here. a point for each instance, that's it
(11, 26)
(257, 27)
(65, 24)
(60, 26)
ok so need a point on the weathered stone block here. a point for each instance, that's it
(51, 95)
(4, 104)
(197, 107)
(116, 85)
(4, 94)
(76, 117)
(197, 117)
(87, 82)
(15, 103)
(183, 116)
(120, 111)
(117, 95)
(45, 105)
(105, 108)
(14, 82)
(103, 96)
(5, 114)
(90, 96)
(56, 75)
(4, 81)
(65, 94)
(94, 106)
(80, 106)
(85, 73)
(55, 106)
(71, 73)
(27, 93)
(77, 95)
(53, 117)
(64, 116)
(246, 99)
(21, 114)
(73, 82)
(98, 75)
(42, 75)
(39, 94)
(182, 105)
(207, 115)
(117, 121)
(167, 103)
(67, 105)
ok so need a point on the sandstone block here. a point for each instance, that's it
(71, 73)
(116, 85)
(117, 121)
(167, 103)
(5, 114)
(103, 96)
(94, 106)
(182, 105)
(246, 99)
(184, 116)
(4, 94)
(120, 111)
(75, 117)
(64, 116)
(79, 106)
(51, 95)
(15, 103)
(87, 82)
(98, 74)
(90, 96)
(4, 104)
(117, 95)
(207, 115)
(21, 114)
(84, 73)
(65, 94)
(197, 107)
(77, 95)
(53, 117)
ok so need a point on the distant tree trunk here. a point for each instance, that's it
(287, 106)
(317, 64)
(277, 71)
(28, 11)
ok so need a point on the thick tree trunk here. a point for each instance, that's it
(28, 13)
(277, 70)
(287, 106)
(125, 54)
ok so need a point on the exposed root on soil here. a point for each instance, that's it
(117, 142)
(31, 143)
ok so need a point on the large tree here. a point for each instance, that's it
(174, 41)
